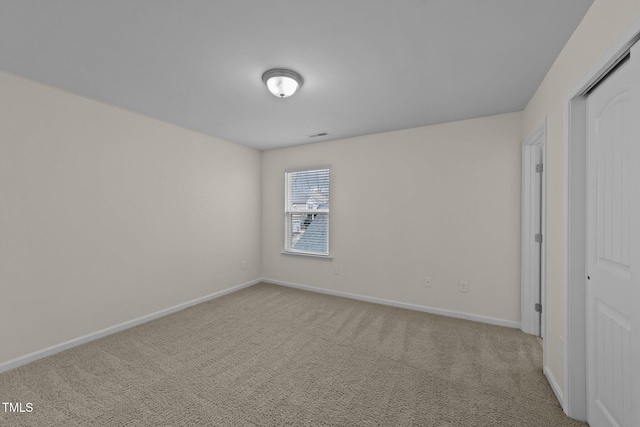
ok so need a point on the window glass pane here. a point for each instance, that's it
(309, 189)
(309, 233)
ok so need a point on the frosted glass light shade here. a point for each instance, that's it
(282, 83)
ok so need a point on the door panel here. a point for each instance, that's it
(613, 346)
(613, 126)
(609, 284)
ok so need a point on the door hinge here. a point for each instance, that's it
(539, 168)
(539, 307)
(538, 238)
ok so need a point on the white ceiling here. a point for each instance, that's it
(369, 65)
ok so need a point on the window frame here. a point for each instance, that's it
(288, 212)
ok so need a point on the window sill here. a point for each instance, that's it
(327, 257)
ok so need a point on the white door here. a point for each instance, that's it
(611, 275)
(532, 296)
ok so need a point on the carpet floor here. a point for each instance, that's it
(274, 356)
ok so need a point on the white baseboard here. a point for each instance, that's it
(426, 309)
(23, 360)
(554, 386)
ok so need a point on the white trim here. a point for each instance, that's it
(308, 168)
(554, 385)
(289, 211)
(415, 307)
(574, 343)
(529, 290)
(575, 122)
(307, 254)
(634, 206)
(28, 358)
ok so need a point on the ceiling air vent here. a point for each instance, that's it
(318, 134)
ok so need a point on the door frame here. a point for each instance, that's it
(574, 399)
(537, 138)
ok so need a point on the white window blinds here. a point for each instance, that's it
(306, 210)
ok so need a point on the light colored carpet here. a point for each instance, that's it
(273, 356)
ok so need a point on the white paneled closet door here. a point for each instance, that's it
(612, 259)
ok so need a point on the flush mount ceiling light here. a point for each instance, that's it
(282, 83)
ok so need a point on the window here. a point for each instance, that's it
(306, 210)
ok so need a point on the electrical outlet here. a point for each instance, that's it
(463, 286)
(243, 265)
(427, 282)
(336, 270)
